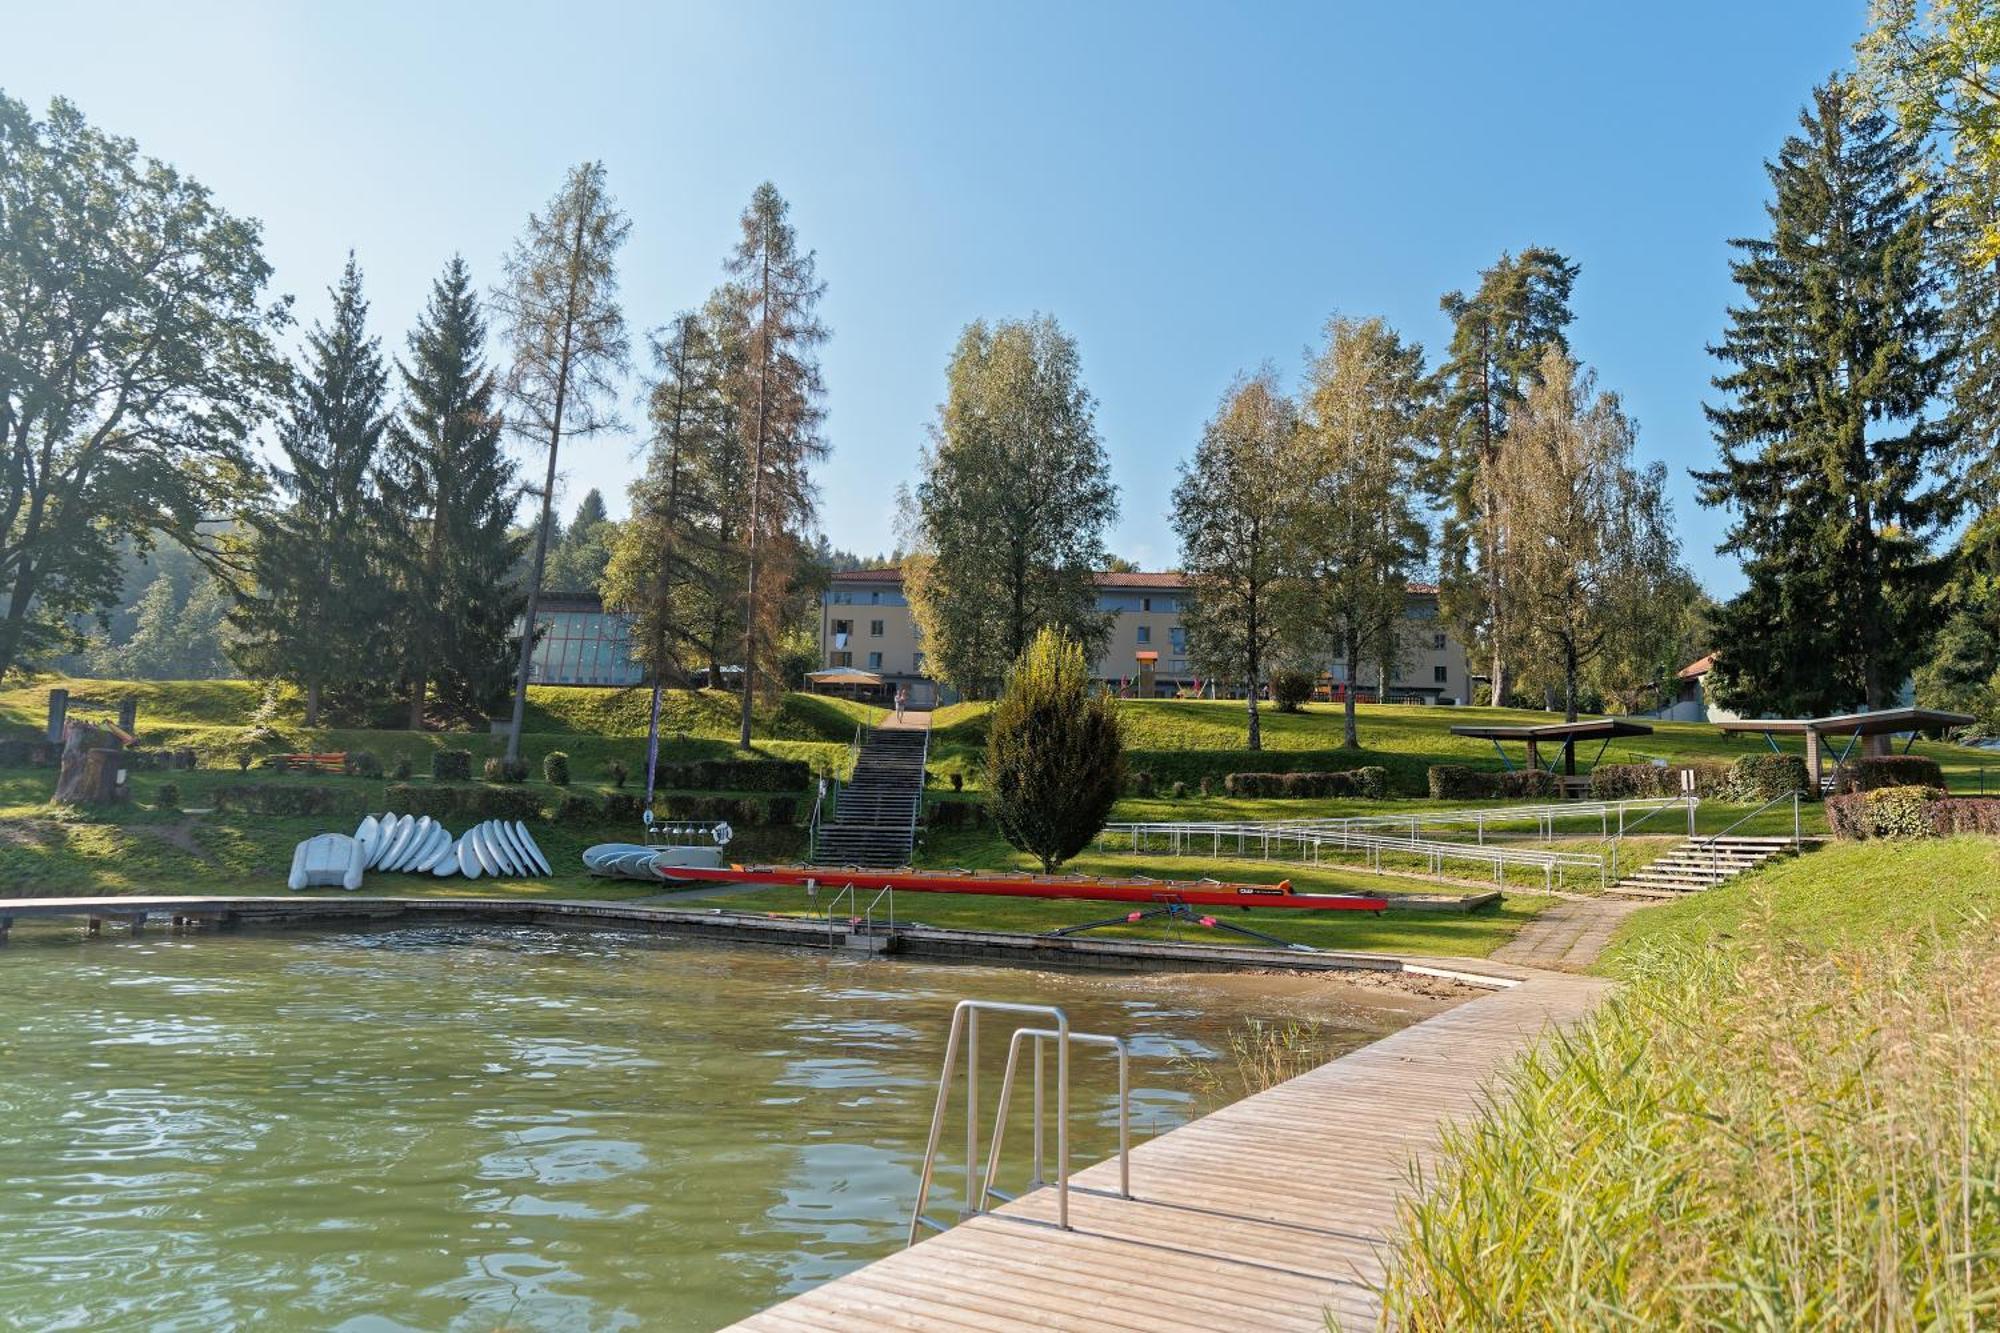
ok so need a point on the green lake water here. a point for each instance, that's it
(495, 1128)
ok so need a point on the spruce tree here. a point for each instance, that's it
(1832, 456)
(312, 615)
(1519, 310)
(1055, 752)
(449, 493)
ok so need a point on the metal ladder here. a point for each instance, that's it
(979, 1186)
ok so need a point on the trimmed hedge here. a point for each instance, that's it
(285, 799)
(955, 815)
(451, 765)
(1765, 777)
(555, 768)
(362, 764)
(1911, 812)
(1372, 783)
(468, 803)
(1617, 782)
(1459, 782)
(1890, 770)
(499, 768)
(736, 775)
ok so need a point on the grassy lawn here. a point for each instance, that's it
(1786, 1115)
(1183, 739)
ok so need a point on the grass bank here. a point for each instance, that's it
(1786, 1115)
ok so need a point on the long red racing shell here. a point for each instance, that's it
(1194, 893)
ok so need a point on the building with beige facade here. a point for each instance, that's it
(866, 626)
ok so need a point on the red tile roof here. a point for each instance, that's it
(1701, 666)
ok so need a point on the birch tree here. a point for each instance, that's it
(1230, 510)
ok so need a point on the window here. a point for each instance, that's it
(1437, 643)
(917, 662)
(1145, 603)
(875, 598)
(841, 659)
(874, 661)
(1145, 634)
(1439, 674)
(874, 629)
(842, 597)
(841, 627)
(1177, 636)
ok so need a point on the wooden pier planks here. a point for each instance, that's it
(1271, 1213)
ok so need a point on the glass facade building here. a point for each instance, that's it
(580, 643)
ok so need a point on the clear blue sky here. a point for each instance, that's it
(1191, 190)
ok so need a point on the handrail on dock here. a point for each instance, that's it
(978, 1187)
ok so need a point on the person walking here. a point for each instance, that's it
(902, 697)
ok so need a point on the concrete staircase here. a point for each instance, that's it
(874, 818)
(1700, 864)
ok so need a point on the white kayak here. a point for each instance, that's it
(425, 861)
(510, 849)
(468, 861)
(534, 852)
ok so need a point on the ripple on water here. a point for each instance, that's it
(462, 1128)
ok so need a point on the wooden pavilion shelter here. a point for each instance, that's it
(1873, 729)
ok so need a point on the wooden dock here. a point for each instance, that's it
(1271, 1213)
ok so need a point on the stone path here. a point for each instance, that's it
(1569, 936)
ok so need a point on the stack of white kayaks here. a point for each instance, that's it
(417, 845)
(621, 860)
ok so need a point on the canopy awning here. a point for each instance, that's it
(1562, 735)
(1875, 722)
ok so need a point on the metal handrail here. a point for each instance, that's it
(1312, 842)
(965, 1026)
(864, 915)
(1041, 1035)
(1708, 844)
(1687, 798)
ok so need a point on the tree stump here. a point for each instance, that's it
(92, 761)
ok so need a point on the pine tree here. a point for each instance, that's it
(776, 290)
(673, 567)
(448, 499)
(560, 304)
(1055, 752)
(313, 612)
(1230, 509)
(1010, 515)
(1520, 309)
(577, 563)
(1831, 454)
(1356, 535)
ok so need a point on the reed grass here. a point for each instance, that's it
(1760, 1134)
(1259, 1055)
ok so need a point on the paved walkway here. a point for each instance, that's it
(913, 720)
(1272, 1213)
(1569, 936)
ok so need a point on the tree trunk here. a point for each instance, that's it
(1256, 732)
(756, 509)
(417, 690)
(312, 702)
(1350, 735)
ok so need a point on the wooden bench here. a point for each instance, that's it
(309, 763)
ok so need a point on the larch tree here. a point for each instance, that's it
(1834, 452)
(776, 291)
(566, 333)
(135, 361)
(1356, 535)
(313, 610)
(1230, 509)
(1591, 557)
(1499, 332)
(449, 495)
(1009, 516)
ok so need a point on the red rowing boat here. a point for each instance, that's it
(1138, 889)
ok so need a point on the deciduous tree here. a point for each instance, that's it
(1008, 520)
(1230, 510)
(1356, 535)
(135, 360)
(1590, 554)
(567, 335)
(1499, 332)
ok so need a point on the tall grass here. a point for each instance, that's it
(1260, 1055)
(1750, 1135)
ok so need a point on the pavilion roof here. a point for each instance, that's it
(1586, 729)
(1874, 722)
